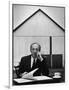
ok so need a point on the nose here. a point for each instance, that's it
(35, 51)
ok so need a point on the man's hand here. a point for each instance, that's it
(30, 74)
(40, 57)
(23, 74)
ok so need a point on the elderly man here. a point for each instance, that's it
(33, 61)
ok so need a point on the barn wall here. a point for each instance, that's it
(38, 25)
(22, 46)
(58, 46)
(21, 12)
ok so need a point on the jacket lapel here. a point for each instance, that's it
(29, 62)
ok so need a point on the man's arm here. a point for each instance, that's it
(44, 67)
(21, 67)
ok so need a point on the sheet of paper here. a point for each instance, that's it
(36, 78)
(42, 78)
(21, 80)
(30, 74)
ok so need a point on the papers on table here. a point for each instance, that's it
(29, 77)
(42, 78)
(21, 80)
(30, 74)
(36, 78)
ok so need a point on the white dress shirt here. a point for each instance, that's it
(32, 60)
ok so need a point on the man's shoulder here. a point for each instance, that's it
(43, 55)
(25, 57)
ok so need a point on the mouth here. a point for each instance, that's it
(35, 55)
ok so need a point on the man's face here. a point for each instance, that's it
(35, 50)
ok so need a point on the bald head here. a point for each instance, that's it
(35, 48)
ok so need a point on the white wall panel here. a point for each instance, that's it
(22, 46)
(58, 46)
(39, 25)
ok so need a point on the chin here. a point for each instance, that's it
(34, 56)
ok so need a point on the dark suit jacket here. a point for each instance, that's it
(25, 66)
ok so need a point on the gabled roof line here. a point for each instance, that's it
(33, 15)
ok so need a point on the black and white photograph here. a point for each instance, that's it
(38, 44)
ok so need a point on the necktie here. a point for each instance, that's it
(34, 64)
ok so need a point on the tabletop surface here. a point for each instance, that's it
(32, 79)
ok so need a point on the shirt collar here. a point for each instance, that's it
(33, 58)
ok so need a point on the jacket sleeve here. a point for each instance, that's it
(21, 67)
(44, 68)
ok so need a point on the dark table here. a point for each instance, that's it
(46, 81)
